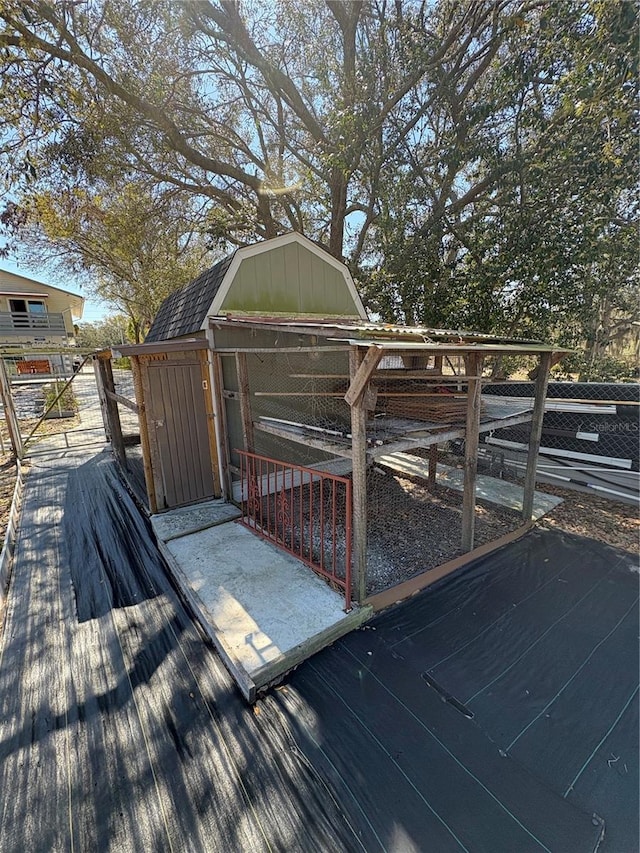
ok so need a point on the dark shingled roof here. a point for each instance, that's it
(184, 311)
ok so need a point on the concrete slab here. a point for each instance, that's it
(487, 488)
(190, 519)
(266, 610)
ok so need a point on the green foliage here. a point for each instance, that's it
(66, 402)
(475, 162)
(605, 368)
(111, 331)
(131, 245)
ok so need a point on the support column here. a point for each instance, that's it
(245, 401)
(113, 415)
(13, 426)
(223, 432)
(473, 368)
(433, 465)
(136, 370)
(359, 482)
(542, 381)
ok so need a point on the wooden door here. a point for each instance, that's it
(179, 418)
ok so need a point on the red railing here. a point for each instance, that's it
(304, 511)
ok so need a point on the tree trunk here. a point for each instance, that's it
(339, 184)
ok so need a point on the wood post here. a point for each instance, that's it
(359, 483)
(136, 370)
(360, 379)
(433, 464)
(223, 432)
(102, 396)
(111, 408)
(245, 401)
(542, 381)
(157, 497)
(473, 364)
(13, 426)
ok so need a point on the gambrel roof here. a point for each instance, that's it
(286, 276)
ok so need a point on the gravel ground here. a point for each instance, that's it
(412, 529)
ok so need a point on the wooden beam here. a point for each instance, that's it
(245, 401)
(542, 381)
(223, 432)
(157, 497)
(433, 464)
(13, 425)
(211, 425)
(173, 346)
(359, 461)
(471, 439)
(113, 415)
(443, 378)
(430, 438)
(136, 370)
(365, 371)
(319, 349)
(124, 401)
(299, 437)
(296, 393)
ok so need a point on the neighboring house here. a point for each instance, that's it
(33, 314)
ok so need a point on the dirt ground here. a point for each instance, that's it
(613, 522)
(7, 485)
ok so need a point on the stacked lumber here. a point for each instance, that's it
(422, 401)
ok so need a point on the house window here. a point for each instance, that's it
(18, 308)
(27, 313)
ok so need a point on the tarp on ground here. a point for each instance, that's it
(121, 730)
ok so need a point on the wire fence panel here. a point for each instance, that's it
(305, 512)
(590, 436)
(56, 401)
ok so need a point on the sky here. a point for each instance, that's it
(93, 309)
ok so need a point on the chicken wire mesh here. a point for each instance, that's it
(300, 393)
(55, 400)
(414, 517)
(589, 437)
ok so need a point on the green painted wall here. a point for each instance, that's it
(289, 280)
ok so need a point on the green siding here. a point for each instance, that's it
(289, 280)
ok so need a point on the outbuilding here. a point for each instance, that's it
(264, 382)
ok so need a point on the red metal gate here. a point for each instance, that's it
(304, 511)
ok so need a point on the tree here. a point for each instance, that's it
(550, 249)
(111, 331)
(131, 245)
(470, 160)
(280, 116)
